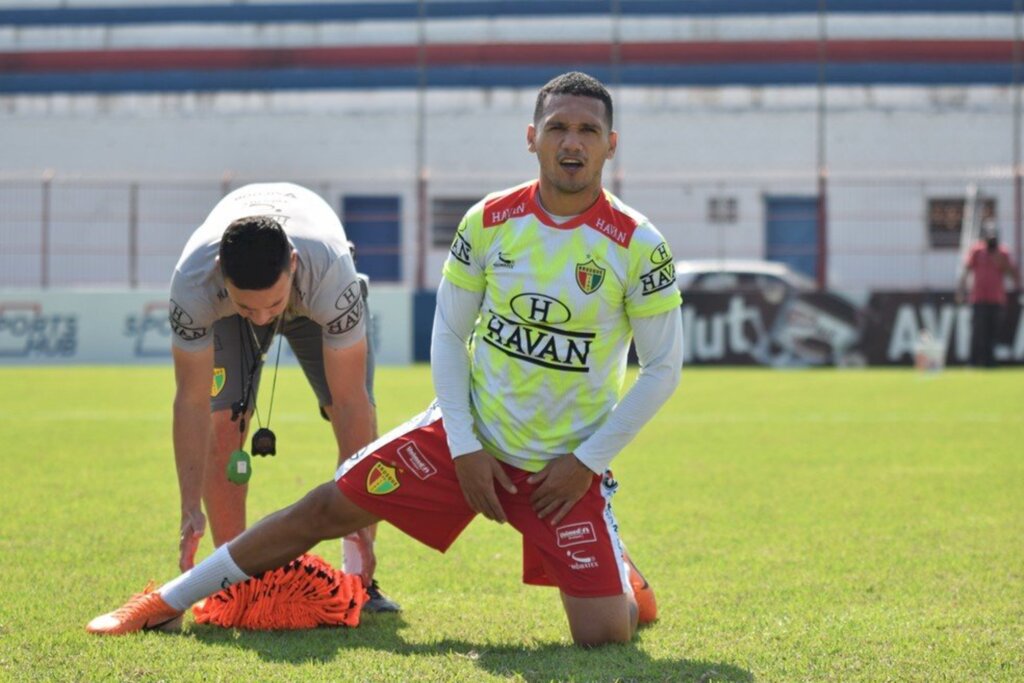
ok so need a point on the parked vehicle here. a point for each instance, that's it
(798, 323)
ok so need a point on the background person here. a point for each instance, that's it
(988, 264)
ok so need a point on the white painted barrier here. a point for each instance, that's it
(43, 327)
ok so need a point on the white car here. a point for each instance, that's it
(798, 323)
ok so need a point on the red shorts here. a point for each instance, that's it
(407, 477)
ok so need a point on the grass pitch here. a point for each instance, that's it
(797, 526)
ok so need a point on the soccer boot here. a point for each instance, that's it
(379, 602)
(645, 601)
(146, 611)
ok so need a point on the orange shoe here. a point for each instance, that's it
(145, 611)
(645, 601)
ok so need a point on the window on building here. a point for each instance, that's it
(946, 219)
(723, 210)
(374, 225)
(445, 215)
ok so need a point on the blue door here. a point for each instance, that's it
(373, 223)
(791, 232)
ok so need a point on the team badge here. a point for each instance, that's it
(589, 276)
(220, 375)
(382, 480)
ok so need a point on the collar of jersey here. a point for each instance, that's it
(599, 207)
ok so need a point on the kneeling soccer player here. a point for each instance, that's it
(545, 285)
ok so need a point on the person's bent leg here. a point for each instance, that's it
(324, 513)
(600, 621)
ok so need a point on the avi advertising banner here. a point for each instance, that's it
(896, 321)
(791, 328)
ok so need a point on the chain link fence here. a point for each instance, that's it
(883, 231)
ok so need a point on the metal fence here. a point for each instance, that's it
(883, 231)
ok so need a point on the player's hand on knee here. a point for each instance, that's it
(193, 526)
(477, 473)
(561, 484)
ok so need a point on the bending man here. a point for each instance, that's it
(270, 258)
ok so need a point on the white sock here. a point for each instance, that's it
(216, 572)
(351, 556)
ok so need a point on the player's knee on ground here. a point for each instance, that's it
(599, 621)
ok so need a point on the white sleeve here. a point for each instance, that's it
(454, 318)
(659, 346)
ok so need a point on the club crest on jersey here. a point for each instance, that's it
(589, 276)
(220, 376)
(382, 480)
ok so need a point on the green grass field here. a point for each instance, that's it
(797, 526)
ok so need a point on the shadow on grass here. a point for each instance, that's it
(543, 663)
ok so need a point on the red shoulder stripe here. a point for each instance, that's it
(517, 203)
(614, 224)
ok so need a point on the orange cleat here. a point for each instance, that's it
(645, 601)
(146, 611)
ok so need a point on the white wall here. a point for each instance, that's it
(678, 147)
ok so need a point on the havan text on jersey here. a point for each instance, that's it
(536, 337)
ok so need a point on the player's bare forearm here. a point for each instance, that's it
(352, 420)
(192, 422)
(350, 410)
(192, 426)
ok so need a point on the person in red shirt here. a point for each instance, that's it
(989, 264)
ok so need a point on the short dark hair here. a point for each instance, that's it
(254, 251)
(574, 83)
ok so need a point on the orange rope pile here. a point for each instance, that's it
(305, 593)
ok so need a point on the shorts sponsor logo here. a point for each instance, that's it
(27, 331)
(151, 330)
(575, 534)
(581, 560)
(220, 376)
(589, 276)
(382, 479)
(413, 459)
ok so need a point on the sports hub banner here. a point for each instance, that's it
(43, 327)
(800, 329)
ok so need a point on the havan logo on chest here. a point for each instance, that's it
(537, 338)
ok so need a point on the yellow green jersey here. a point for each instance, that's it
(549, 347)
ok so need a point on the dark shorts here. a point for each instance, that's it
(234, 351)
(407, 477)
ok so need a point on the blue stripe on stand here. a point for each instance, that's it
(438, 9)
(908, 73)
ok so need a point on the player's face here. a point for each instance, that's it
(572, 141)
(263, 306)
